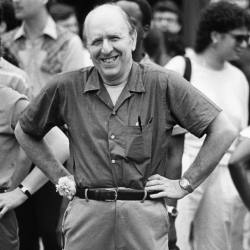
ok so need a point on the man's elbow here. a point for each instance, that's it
(224, 128)
(231, 132)
(20, 134)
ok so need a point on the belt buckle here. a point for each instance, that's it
(115, 191)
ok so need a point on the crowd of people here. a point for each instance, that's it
(118, 136)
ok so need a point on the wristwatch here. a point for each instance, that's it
(24, 190)
(172, 211)
(185, 185)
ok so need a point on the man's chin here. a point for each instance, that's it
(109, 72)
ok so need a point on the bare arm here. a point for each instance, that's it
(220, 135)
(239, 166)
(58, 143)
(22, 169)
(174, 160)
(41, 155)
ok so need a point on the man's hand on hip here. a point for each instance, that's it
(167, 188)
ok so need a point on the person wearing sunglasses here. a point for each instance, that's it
(207, 217)
(240, 38)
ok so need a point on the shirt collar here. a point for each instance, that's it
(135, 83)
(145, 59)
(49, 30)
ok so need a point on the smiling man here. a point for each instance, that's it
(110, 44)
(120, 115)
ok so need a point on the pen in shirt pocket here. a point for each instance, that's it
(139, 123)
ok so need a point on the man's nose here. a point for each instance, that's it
(106, 46)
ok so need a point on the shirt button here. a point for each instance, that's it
(113, 161)
(112, 137)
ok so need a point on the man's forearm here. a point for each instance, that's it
(41, 155)
(174, 161)
(239, 166)
(220, 136)
(22, 169)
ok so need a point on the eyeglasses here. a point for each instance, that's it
(240, 38)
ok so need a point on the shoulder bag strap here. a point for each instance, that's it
(188, 68)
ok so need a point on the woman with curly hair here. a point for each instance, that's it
(206, 217)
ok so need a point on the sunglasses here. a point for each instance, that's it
(240, 38)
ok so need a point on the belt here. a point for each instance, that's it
(102, 194)
(3, 189)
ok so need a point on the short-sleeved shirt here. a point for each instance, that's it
(56, 50)
(15, 78)
(121, 145)
(10, 111)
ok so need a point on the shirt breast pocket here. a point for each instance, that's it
(138, 144)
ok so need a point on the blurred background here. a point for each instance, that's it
(189, 9)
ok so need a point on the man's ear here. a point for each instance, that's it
(134, 39)
(215, 37)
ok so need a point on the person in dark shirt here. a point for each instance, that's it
(120, 115)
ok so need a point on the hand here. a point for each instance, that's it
(167, 188)
(11, 200)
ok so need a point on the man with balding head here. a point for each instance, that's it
(120, 115)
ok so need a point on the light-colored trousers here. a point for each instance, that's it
(9, 232)
(214, 213)
(120, 225)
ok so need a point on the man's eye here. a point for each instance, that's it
(114, 39)
(96, 42)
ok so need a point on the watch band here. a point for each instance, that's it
(24, 190)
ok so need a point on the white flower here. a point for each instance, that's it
(66, 186)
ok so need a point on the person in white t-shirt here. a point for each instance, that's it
(239, 166)
(205, 219)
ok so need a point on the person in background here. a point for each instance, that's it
(239, 166)
(13, 159)
(8, 22)
(140, 14)
(205, 220)
(10, 108)
(120, 115)
(42, 49)
(155, 47)
(65, 16)
(14, 93)
(167, 18)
